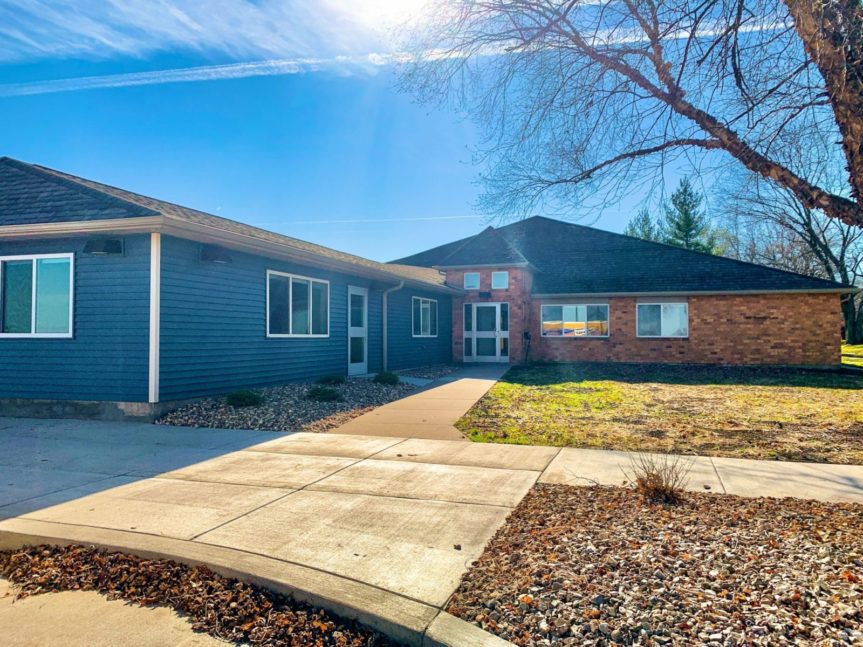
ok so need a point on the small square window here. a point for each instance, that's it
(500, 280)
(471, 280)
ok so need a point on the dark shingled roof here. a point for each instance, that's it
(486, 248)
(32, 194)
(574, 259)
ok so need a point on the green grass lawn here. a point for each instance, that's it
(852, 355)
(736, 412)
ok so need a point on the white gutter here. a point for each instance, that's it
(385, 317)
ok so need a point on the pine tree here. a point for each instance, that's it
(642, 226)
(685, 224)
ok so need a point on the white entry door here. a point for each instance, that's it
(486, 332)
(358, 330)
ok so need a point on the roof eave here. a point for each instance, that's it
(695, 293)
(481, 266)
(213, 235)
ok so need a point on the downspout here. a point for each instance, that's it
(386, 317)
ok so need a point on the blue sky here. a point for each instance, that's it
(316, 143)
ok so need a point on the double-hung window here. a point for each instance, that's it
(500, 280)
(663, 320)
(297, 306)
(36, 295)
(424, 317)
(577, 320)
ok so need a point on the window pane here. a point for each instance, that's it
(425, 312)
(486, 347)
(358, 311)
(504, 316)
(468, 347)
(552, 321)
(504, 346)
(320, 308)
(279, 305)
(468, 317)
(499, 280)
(675, 320)
(574, 321)
(486, 318)
(649, 320)
(417, 317)
(597, 321)
(358, 350)
(471, 281)
(433, 313)
(17, 295)
(300, 319)
(52, 295)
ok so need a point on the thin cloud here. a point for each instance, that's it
(368, 220)
(275, 67)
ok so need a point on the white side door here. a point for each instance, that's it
(358, 330)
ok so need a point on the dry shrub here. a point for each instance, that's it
(659, 478)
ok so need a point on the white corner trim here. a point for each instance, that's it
(155, 312)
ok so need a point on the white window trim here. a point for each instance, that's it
(290, 276)
(505, 287)
(43, 335)
(660, 304)
(421, 300)
(586, 305)
(478, 282)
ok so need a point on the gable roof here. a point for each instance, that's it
(573, 259)
(36, 195)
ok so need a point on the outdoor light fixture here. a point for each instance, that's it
(104, 246)
(214, 254)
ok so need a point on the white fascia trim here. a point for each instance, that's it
(142, 224)
(155, 313)
(705, 293)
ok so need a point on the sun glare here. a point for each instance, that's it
(384, 14)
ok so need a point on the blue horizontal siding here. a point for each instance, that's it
(107, 359)
(213, 325)
(406, 351)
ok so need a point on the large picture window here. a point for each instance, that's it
(36, 295)
(424, 317)
(663, 320)
(297, 306)
(588, 320)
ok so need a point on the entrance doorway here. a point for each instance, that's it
(486, 332)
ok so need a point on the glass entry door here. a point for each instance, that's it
(486, 332)
(358, 328)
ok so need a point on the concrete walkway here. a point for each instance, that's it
(87, 619)
(375, 528)
(433, 412)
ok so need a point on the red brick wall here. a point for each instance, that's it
(795, 329)
(517, 296)
(746, 329)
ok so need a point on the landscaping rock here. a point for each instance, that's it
(225, 608)
(713, 570)
(287, 408)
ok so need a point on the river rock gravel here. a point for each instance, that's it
(225, 608)
(598, 566)
(286, 408)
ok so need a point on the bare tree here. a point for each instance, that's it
(587, 97)
(774, 228)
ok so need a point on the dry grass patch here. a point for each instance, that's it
(735, 412)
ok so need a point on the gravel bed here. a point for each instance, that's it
(286, 408)
(433, 372)
(597, 566)
(224, 608)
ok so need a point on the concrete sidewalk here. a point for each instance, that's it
(433, 412)
(375, 528)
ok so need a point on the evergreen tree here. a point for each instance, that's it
(642, 226)
(685, 224)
